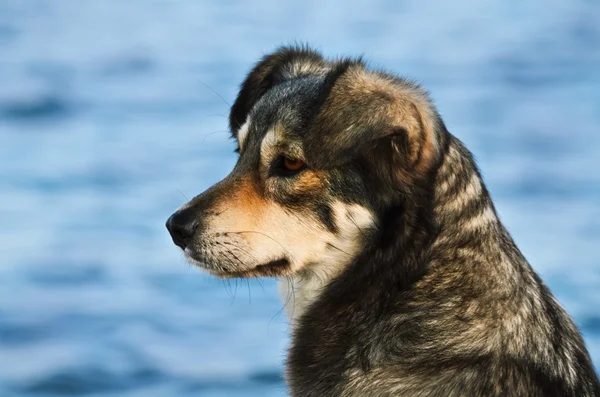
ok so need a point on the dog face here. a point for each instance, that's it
(318, 144)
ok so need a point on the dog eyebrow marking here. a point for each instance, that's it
(268, 145)
(243, 133)
(275, 142)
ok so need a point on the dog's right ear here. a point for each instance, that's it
(284, 64)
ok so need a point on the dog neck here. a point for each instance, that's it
(299, 291)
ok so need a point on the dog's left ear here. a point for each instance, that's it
(368, 113)
(284, 64)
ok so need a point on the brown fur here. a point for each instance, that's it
(401, 279)
(361, 100)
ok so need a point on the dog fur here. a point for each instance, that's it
(399, 278)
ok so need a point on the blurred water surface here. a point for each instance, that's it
(111, 117)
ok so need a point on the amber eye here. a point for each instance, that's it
(287, 166)
(293, 164)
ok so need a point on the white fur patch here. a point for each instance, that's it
(243, 133)
(268, 145)
(327, 261)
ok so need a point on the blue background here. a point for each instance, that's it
(110, 120)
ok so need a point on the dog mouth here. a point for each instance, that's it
(275, 268)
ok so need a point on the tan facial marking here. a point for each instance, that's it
(245, 203)
(309, 181)
(260, 231)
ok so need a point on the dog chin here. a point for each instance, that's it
(189, 257)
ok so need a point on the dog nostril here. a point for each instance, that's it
(182, 225)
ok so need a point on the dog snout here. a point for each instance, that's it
(182, 225)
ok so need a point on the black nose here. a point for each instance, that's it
(182, 226)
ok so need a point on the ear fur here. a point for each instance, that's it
(360, 108)
(284, 64)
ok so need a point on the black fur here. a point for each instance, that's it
(265, 75)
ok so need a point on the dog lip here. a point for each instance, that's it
(275, 268)
(281, 264)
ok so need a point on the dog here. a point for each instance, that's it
(399, 279)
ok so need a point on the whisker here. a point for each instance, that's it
(356, 224)
(262, 234)
(212, 115)
(212, 133)
(293, 295)
(232, 254)
(219, 95)
(234, 291)
(249, 292)
(261, 285)
(226, 285)
(184, 196)
(239, 248)
(287, 301)
(337, 248)
(219, 213)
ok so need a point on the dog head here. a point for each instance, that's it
(326, 149)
